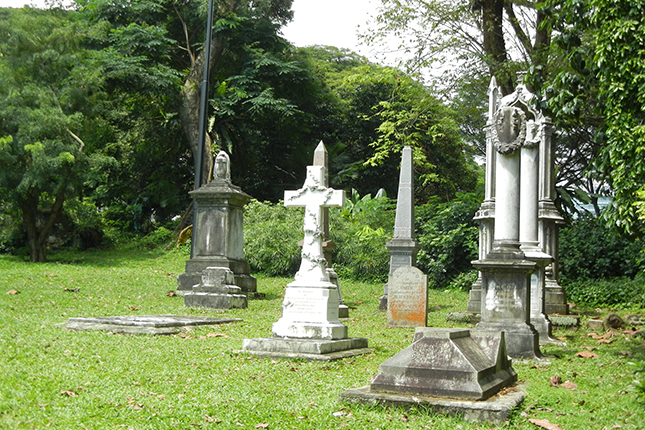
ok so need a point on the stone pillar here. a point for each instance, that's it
(505, 272)
(321, 159)
(555, 299)
(218, 232)
(403, 248)
(486, 213)
(529, 228)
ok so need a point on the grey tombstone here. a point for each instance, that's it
(450, 371)
(218, 231)
(216, 291)
(309, 327)
(403, 247)
(407, 304)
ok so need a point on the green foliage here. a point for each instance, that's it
(360, 231)
(271, 236)
(590, 249)
(611, 292)
(448, 237)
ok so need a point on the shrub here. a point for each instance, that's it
(618, 291)
(589, 249)
(360, 231)
(449, 238)
(271, 236)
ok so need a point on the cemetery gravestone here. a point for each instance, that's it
(309, 327)
(216, 291)
(407, 304)
(218, 235)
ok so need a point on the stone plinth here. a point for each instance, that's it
(450, 363)
(505, 296)
(218, 235)
(216, 291)
(407, 304)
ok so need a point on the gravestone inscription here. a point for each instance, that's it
(407, 304)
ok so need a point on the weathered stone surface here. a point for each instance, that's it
(635, 320)
(309, 349)
(407, 304)
(464, 317)
(595, 324)
(218, 235)
(452, 363)
(216, 291)
(614, 321)
(144, 324)
(496, 410)
(565, 321)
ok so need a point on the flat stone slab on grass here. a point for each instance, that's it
(144, 324)
(496, 409)
(306, 349)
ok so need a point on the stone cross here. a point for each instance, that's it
(313, 196)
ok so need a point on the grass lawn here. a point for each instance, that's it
(51, 377)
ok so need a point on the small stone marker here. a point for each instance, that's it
(407, 304)
(216, 291)
(144, 324)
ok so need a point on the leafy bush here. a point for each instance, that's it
(618, 291)
(589, 249)
(271, 236)
(360, 231)
(449, 238)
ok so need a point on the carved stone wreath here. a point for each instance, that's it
(510, 130)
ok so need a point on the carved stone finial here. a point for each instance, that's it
(222, 168)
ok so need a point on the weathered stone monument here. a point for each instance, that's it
(309, 327)
(450, 371)
(321, 159)
(217, 290)
(505, 271)
(218, 235)
(403, 248)
(407, 302)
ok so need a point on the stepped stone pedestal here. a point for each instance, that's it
(216, 291)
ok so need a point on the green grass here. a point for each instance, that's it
(51, 377)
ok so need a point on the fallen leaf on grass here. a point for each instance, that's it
(586, 354)
(171, 294)
(134, 308)
(569, 385)
(217, 335)
(51, 275)
(13, 292)
(69, 393)
(597, 336)
(555, 381)
(209, 419)
(545, 424)
(599, 341)
(262, 426)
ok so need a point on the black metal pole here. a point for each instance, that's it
(203, 117)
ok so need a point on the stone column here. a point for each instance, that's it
(403, 248)
(555, 299)
(505, 271)
(486, 213)
(529, 228)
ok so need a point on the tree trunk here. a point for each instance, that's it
(494, 46)
(190, 93)
(36, 238)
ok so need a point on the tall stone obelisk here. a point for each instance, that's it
(403, 247)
